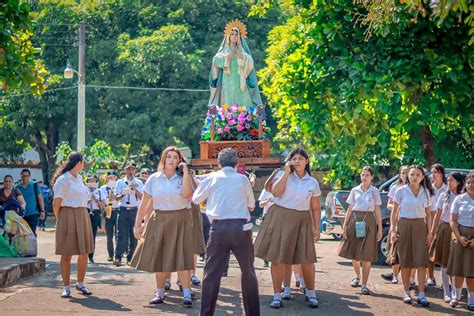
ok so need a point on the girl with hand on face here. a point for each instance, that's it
(461, 255)
(364, 207)
(166, 245)
(441, 230)
(409, 228)
(291, 226)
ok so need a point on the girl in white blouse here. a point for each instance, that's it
(166, 244)
(461, 256)
(70, 209)
(441, 230)
(409, 223)
(364, 207)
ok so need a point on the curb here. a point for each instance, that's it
(15, 269)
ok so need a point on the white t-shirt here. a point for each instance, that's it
(445, 206)
(130, 198)
(71, 190)
(463, 205)
(265, 195)
(298, 192)
(437, 194)
(411, 206)
(166, 193)
(364, 200)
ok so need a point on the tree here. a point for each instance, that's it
(403, 97)
(19, 68)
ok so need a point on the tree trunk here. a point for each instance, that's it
(427, 141)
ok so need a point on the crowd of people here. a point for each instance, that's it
(155, 222)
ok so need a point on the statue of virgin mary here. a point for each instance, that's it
(232, 79)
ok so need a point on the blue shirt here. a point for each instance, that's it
(30, 197)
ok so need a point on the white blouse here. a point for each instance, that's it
(437, 194)
(411, 206)
(393, 190)
(445, 206)
(463, 205)
(166, 193)
(298, 192)
(71, 190)
(265, 195)
(364, 200)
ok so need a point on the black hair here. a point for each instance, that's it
(460, 178)
(26, 170)
(400, 181)
(426, 182)
(72, 160)
(7, 176)
(369, 169)
(440, 168)
(301, 152)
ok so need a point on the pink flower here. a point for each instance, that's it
(234, 109)
(219, 131)
(226, 129)
(232, 122)
(241, 120)
(240, 128)
(247, 125)
(229, 116)
(249, 118)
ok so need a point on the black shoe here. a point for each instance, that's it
(156, 300)
(110, 259)
(387, 276)
(187, 302)
(91, 260)
(117, 263)
(423, 302)
(129, 263)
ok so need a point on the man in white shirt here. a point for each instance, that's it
(128, 192)
(111, 214)
(229, 199)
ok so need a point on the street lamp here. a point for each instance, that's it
(81, 87)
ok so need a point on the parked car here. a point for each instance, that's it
(336, 207)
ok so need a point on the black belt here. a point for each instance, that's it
(230, 220)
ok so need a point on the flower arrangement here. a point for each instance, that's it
(234, 123)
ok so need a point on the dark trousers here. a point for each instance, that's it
(32, 221)
(95, 221)
(126, 239)
(227, 235)
(111, 231)
(42, 222)
(206, 226)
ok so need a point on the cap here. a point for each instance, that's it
(131, 165)
(145, 170)
(92, 176)
(111, 173)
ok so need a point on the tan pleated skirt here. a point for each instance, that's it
(461, 260)
(364, 248)
(286, 236)
(198, 234)
(412, 250)
(74, 232)
(167, 243)
(440, 248)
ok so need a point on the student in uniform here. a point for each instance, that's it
(70, 209)
(441, 230)
(166, 245)
(409, 228)
(402, 180)
(438, 177)
(96, 201)
(364, 208)
(111, 215)
(461, 255)
(291, 226)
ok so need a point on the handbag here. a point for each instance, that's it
(360, 226)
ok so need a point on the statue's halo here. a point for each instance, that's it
(237, 24)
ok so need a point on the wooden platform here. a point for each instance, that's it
(255, 163)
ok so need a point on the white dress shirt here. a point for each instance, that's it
(100, 195)
(166, 193)
(71, 190)
(108, 189)
(364, 200)
(445, 206)
(264, 196)
(437, 194)
(130, 199)
(229, 195)
(298, 192)
(463, 205)
(411, 206)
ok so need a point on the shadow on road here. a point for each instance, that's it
(98, 303)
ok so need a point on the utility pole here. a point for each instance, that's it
(81, 91)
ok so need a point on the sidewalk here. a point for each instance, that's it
(15, 269)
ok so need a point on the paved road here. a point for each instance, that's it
(126, 291)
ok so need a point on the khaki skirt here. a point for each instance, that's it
(440, 248)
(286, 236)
(461, 260)
(198, 234)
(412, 250)
(74, 232)
(363, 248)
(167, 243)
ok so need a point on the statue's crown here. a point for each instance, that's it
(237, 24)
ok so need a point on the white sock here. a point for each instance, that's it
(421, 295)
(160, 292)
(302, 284)
(412, 280)
(408, 293)
(297, 276)
(457, 293)
(187, 293)
(445, 278)
(470, 298)
(310, 293)
(277, 296)
(287, 289)
(80, 284)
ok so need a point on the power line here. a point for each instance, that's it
(146, 88)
